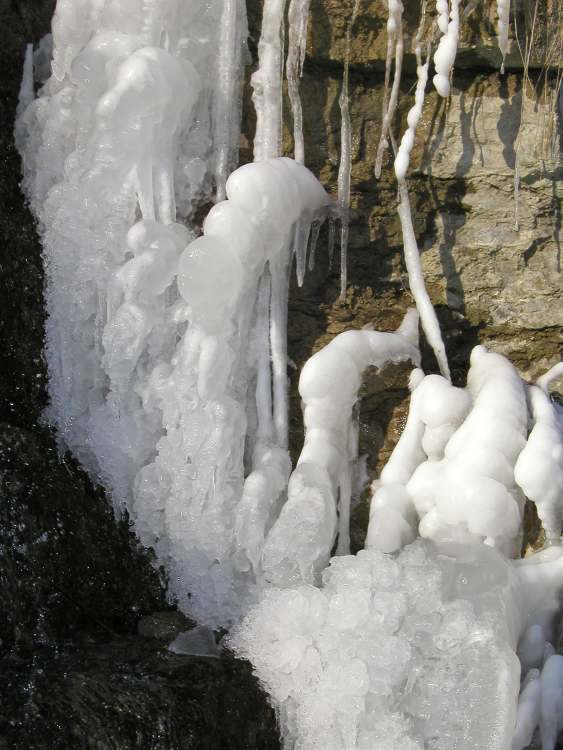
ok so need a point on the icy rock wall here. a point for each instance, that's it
(489, 282)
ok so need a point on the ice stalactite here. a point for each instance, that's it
(395, 47)
(318, 504)
(297, 16)
(428, 318)
(402, 158)
(444, 57)
(345, 166)
(228, 93)
(267, 82)
(503, 13)
(26, 93)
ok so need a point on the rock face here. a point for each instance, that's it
(73, 582)
(491, 253)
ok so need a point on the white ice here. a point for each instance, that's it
(444, 57)
(503, 13)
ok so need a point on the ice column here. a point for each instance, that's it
(345, 166)
(228, 92)
(444, 57)
(298, 13)
(299, 544)
(267, 82)
(503, 13)
(394, 47)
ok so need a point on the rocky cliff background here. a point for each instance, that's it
(83, 614)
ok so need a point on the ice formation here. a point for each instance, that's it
(503, 13)
(299, 546)
(345, 166)
(444, 56)
(298, 12)
(267, 82)
(167, 360)
(408, 651)
(395, 48)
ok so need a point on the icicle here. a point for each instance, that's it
(298, 13)
(26, 93)
(331, 239)
(407, 141)
(428, 318)
(278, 341)
(427, 313)
(227, 93)
(345, 166)
(528, 714)
(402, 158)
(316, 228)
(469, 494)
(265, 429)
(436, 410)
(267, 82)
(300, 242)
(394, 40)
(444, 57)
(503, 13)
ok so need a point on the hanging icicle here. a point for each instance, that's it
(394, 44)
(228, 92)
(503, 12)
(267, 82)
(444, 57)
(345, 166)
(298, 13)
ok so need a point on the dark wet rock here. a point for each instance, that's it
(127, 693)
(164, 626)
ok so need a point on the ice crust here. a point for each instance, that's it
(413, 650)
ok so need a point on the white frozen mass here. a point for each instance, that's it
(167, 357)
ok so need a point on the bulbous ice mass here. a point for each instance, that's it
(210, 277)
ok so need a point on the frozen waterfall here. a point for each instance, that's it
(167, 358)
